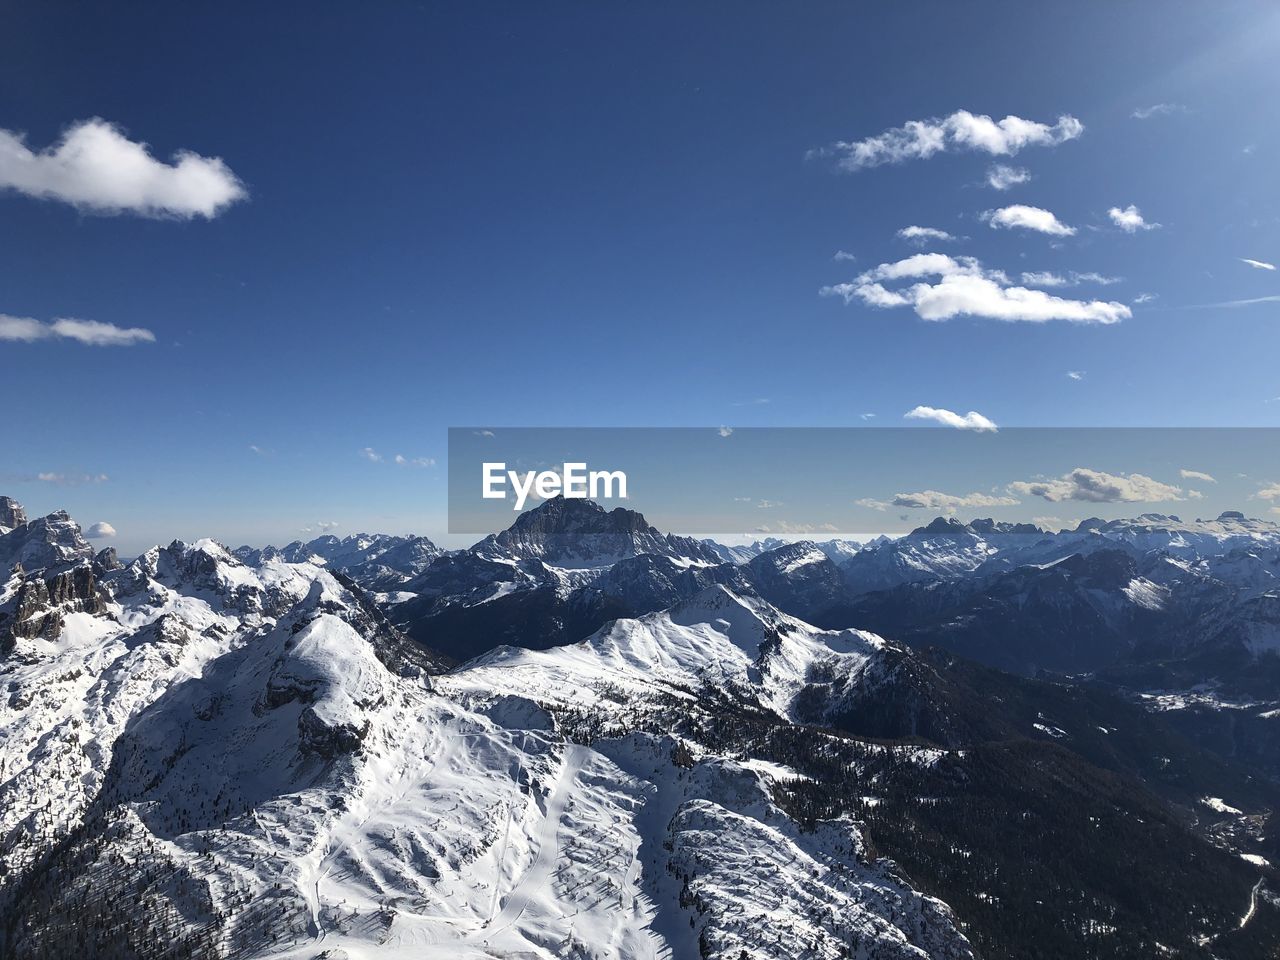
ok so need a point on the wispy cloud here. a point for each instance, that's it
(873, 504)
(96, 168)
(725, 431)
(1130, 219)
(949, 503)
(404, 461)
(948, 418)
(965, 288)
(1269, 492)
(1272, 298)
(1046, 278)
(843, 255)
(1022, 217)
(922, 235)
(1258, 264)
(961, 131)
(1096, 486)
(72, 479)
(370, 454)
(91, 333)
(797, 529)
(483, 433)
(1075, 374)
(1157, 110)
(1142, 298)
(1196, 475)
(1001, 176)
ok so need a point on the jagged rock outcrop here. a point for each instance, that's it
(11, 514)
(581, 533)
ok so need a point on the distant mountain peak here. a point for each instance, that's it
(578, 533)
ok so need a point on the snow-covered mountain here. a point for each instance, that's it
(292, 771)
(379, 562)
(837, 550)
(203, 757)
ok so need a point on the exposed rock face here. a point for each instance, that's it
(42, 543)
(580, 533)
(50, 576)
(39, 605)
(11, 513)
(107, 559)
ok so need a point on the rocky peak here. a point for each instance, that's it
(941, 527)
(11, 513)
(46, 542)
(581, 533)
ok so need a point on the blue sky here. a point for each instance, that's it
(606, 215)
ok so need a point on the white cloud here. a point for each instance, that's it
(370, 454)
(1046, 278)
(71, 479)
(767, 504)
(1144, 298)
(1021, 216)
(1048, 523)
(326, 525)
(1091, 277)
(89, 332)
(923, 235)
(483, 433)
(949, 503)
(1095, 486)
(962, 130)
(924, 265)
(969, 421)
(1043, 278)
(404, 461)
(1157, 110)
(867, 416)
(1196, 475)
(1001, 176)
(1258, 264)
(966, 289)
(843, 255)
(1075, 374)
(1130, 219)
(1271, 492)
(797, 529)
(725, 431)
(99, 530)
(95, 167)
(870, 504)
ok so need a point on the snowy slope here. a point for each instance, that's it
(245, 759)
(737, 646)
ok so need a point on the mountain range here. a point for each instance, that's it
(586, 738)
